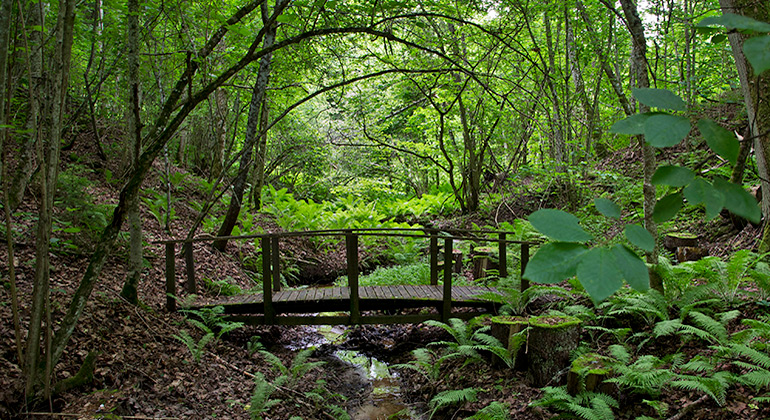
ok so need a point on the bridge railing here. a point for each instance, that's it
(270, 250)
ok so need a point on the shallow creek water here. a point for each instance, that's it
(385, 401)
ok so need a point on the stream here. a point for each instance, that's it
(376, 384)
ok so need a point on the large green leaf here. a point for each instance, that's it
(659, 98)
(607, 208)
(559, 226)
(738, 200)
(555, 262)
(640, 237)
(633, 268)
(667, 207)
(721, 141)
(701, 191)
(599, 274)
(757, 51)
(731, 20)
(665, 130)
(632, 125)
(675, 176)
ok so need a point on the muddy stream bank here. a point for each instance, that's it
(359, 365)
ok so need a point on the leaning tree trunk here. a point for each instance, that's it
(756, 95)
(257, 97)
(129, 291)
(639, 73)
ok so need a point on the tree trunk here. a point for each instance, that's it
(6, 10)
(129, 291)
(257, 97)
(639, 73)
(27, 162)
(49, 151)
(756, 95)
(261, 156)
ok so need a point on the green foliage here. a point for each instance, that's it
(222, 287)
(196, 347)
(585, 405)
(260, 397)
(211, 321)
(494, 411)
(158, 205)
(287, 384)
(469, 342)
(452, 397)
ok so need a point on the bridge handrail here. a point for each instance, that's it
(271, 258)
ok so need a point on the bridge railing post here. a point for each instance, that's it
(351, 247)
(190, 267)
(170, 277)
(446, 308)
(267, 292)
(502, 247)
(276, 259)
(433, 258)
(524, 261)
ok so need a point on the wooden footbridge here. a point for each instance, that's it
(352, 304)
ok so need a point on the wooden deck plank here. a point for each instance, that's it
(313, 300)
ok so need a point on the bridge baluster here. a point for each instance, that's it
(433, 258)
(190, 264)
(267, 293)
(502, 254)
(446, 308)
(351, 247)
(276, 258)
(170, 277)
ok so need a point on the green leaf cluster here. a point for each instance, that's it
(600, 270)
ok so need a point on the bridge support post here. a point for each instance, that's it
(276, 258)
(170, 277)
(267, 293)
(433, 258)
(351, 247)
(190, 265)
(446, 308)
(502, 256)
(524, 262)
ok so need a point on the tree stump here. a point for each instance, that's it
(456, 261)
(588, 374)
(505, 329)
(674, 240)
(482, 262)
(551, 340)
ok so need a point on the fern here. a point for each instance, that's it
(260, 397)
(452, 397)
(494, 411)
(585, 405)
(714, 386)
(645, 376)
(196, 348)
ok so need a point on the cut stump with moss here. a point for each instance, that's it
(674, 240)
(551, 340)
(589, 373)
(507, 329)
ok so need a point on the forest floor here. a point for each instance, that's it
(142, 371)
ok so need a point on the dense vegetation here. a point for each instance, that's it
(602, 130)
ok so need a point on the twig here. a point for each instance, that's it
(99, 414)
(687, 408)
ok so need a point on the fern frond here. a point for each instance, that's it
(452, 397)
(274, 361)
(494, 411)
(716, 330)
(620, 353)
(755, 356)
(715, 386)
(757, 379)
(668, 327)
